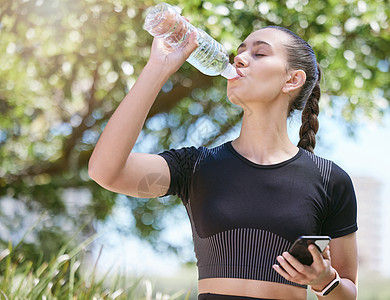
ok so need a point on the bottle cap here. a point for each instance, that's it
(230, 72)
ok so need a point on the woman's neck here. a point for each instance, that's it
(263, 138)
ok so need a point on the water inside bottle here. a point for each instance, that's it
(210, 57)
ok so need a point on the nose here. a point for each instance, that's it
(240, 61)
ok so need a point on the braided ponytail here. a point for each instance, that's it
(309, 127)
(300, 56)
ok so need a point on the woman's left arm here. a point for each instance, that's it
(341, 256)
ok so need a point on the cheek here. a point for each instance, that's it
(268, 86)
(271, 70)
(264, 81)
(270, 80)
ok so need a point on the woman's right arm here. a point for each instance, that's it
(112, 165)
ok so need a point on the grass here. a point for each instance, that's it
(67, 276)
(63, 278)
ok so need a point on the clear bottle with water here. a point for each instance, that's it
(210, 57)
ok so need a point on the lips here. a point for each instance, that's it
(239, 72)
(239, 75)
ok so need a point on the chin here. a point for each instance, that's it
(236, 98)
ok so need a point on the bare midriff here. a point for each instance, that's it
(251, 288)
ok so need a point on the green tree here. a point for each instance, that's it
(66, 64)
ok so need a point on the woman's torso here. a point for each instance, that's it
(251, 288)
(244, 215)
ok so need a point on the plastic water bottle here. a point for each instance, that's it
(210, 57)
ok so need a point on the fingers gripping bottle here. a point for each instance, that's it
(210, 57)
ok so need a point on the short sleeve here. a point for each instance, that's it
(341, 218)
(181, 164)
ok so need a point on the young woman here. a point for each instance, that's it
(250, 198)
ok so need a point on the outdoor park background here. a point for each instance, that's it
(64, 67)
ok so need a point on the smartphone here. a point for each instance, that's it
(300, 251)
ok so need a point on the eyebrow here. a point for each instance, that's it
(256, 43)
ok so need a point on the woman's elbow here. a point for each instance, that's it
(96, 172)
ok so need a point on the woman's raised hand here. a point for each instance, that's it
(168, 58)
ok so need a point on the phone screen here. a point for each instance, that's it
(300, 251)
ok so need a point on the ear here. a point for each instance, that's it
(296, 79)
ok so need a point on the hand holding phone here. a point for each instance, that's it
(300, 251)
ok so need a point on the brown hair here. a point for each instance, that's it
(300, 56)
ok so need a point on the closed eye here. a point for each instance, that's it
(259, 54)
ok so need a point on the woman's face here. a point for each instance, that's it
(262, 61)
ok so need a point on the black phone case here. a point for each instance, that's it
(300, 251)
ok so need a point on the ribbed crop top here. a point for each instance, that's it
(243, 215)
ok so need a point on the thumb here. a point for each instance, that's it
(191, 45)
(315, 253)
(326, 253)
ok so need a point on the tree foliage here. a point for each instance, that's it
(66, 64)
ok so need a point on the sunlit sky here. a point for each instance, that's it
(365, 155)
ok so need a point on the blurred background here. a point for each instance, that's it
(65, 65)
